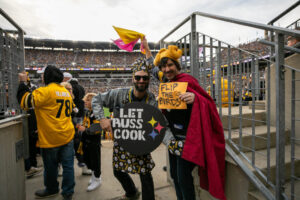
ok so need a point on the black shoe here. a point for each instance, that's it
(134, 197)
(40, 194)
(67, 196)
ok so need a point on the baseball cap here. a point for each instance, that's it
(67, 75)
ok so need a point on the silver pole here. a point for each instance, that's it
(185, 54)
(293, 112)
(280, 116)
(268, 121)
(211, 59)
(240, 101)
(253, 91)
(218, 80)
(229, 90)
(193, 49)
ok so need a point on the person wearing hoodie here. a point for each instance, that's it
(52, 106)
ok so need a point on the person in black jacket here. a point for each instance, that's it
(91, 143)
(78, 92)
(31, 162)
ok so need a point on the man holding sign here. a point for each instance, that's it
(123, 161)
(198, 137)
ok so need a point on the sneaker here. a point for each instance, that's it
(134, 197)
(60, 170)
(40, 194)
(92, 178)
(86, 171)
(67, 196)
(81, 164)
(96, 182)
(33, 171)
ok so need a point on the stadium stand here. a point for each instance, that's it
(98, 66)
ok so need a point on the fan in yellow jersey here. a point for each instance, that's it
(53, 106)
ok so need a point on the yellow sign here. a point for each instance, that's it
(168, 96)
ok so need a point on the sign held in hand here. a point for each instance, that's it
(139, 128)
(168, 96)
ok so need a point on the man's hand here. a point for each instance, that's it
(188, 97)
(145, 43)
(23, 77)
(81, 128)
(106, 124)
(146, 47)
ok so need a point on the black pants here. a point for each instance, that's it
(77, 138)
(181, 173)
(92, 152)
(31, 161)
(129, 187)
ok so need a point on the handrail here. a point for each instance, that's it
(238, 48)
(285, 46)
(284, 12)
(11, 21)
(3, 121)
(292, 68)
(298, 20)
(250, 174)
(285, 31)
(174, 29)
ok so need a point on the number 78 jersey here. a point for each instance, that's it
(53, 106)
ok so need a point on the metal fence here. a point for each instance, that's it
(252, 107)
(11, 63)
(294, 25)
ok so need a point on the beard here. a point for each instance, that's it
(141, 87)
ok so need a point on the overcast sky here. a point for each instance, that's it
(92, 20)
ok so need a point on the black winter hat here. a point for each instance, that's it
(53, 75)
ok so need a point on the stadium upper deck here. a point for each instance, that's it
(79, 55)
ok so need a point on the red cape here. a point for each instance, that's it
(205, 143)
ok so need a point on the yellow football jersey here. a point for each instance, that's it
(53, 106)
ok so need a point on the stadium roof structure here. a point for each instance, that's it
(72, 44)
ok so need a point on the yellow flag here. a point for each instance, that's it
(128, 35)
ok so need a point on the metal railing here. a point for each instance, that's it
(237, 79)
(11, 63)
(294, 25)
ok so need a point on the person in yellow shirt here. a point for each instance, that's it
(52, 105)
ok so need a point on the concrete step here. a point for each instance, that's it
(260, 137)
(259, 105)
(259, 116)
(261, 162)
(257, 195)
(236, 180)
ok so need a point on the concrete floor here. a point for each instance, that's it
(110, 188)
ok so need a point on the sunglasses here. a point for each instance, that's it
(145, 78)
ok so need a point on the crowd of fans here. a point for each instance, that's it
(35, 57)
(103, 85)
(254, 47)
